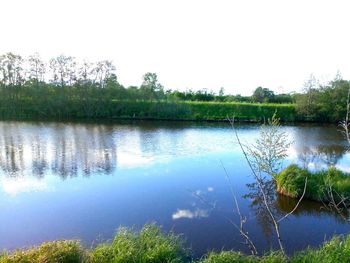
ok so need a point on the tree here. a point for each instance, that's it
(262, 95)
(103, 70)
(222, 91)
(85, 71)
(37, 68)
(306, 105)
(11, 70)
(265, 158)
(63, 69)
(151, 88)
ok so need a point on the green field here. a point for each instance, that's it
(71, 108)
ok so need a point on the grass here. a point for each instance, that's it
(153, 245)
(233, 256)
(59, 251)
(291, 182)
(149, 245)
(335, 250)
(73, 108)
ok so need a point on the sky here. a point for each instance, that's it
(190, 44)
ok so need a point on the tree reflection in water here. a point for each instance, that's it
(282, 205)
(63, 150)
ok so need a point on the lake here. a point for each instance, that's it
(83, 181)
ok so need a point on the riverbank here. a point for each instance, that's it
(151, 245)
(326, 186)
(73, 109)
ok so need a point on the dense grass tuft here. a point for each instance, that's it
(150, 245)
(56, 252)
(335, 250)
(321, 185)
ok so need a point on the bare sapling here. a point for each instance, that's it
(265, 159)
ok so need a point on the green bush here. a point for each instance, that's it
(320, 185)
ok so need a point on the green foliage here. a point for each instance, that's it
(51, 102)
(68, 89)
(228, 257)
(325, 103)
(150, 245)
(263, 95)
(335, 250)
(233, 256)
(55, 252)
(270, 149)
(241, 111)
(321, 186)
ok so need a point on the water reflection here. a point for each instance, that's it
(190, 214)
(258, 206)
(281, 205)
(320, 155)
(310, 208)
(60, 149)
(317, 147)
(68, 150)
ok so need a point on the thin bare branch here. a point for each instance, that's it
(296, 206)
(242, 219)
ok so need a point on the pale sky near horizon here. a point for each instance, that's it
(238, 45)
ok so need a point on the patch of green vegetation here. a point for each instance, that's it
(151, 245)
(233, 256)
(58, 108)
(241, 111)
(321, 186)
(58, 251)
(335, 250)
(148, 246)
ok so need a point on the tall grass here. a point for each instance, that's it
(148, 246)
(321, 185)
(152, 245)
(59, 251)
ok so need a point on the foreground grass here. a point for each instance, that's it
(152, 245)
(57, 251)
(322, 186)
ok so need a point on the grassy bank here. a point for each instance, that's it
(66, 109)
(152, 245)
(321, 186)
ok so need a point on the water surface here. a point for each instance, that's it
(83, 181)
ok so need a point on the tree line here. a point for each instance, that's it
(64, 81)
(33, 72)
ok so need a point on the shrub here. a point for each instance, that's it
(320, 185)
